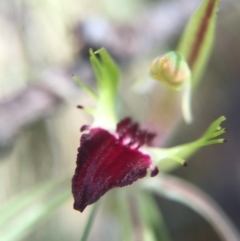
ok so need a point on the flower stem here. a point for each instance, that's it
(89, 222)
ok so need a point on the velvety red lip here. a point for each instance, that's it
(105, 161)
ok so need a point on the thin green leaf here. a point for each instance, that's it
(183, 192)
(124, 215)
(197, 41)
(118, 204)
(107, 76)
(21, 201)
(90, 221)
(151, 218)
(24, 223)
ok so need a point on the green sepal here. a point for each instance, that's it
(197, 41)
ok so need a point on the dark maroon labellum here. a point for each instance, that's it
(105, 161)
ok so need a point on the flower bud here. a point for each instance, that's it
(171, 69)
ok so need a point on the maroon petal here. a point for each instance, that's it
(104, 162)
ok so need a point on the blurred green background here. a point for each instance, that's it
(44, 42)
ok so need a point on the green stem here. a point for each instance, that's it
(90, 221)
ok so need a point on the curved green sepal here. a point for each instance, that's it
(197, 40)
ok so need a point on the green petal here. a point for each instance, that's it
(107, 75)
(85, 87)
(197, 40)
(163, 157)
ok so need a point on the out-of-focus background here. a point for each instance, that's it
(44, 42)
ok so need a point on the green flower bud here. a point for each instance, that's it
(171, 69)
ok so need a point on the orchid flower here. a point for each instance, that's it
(116, 153)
